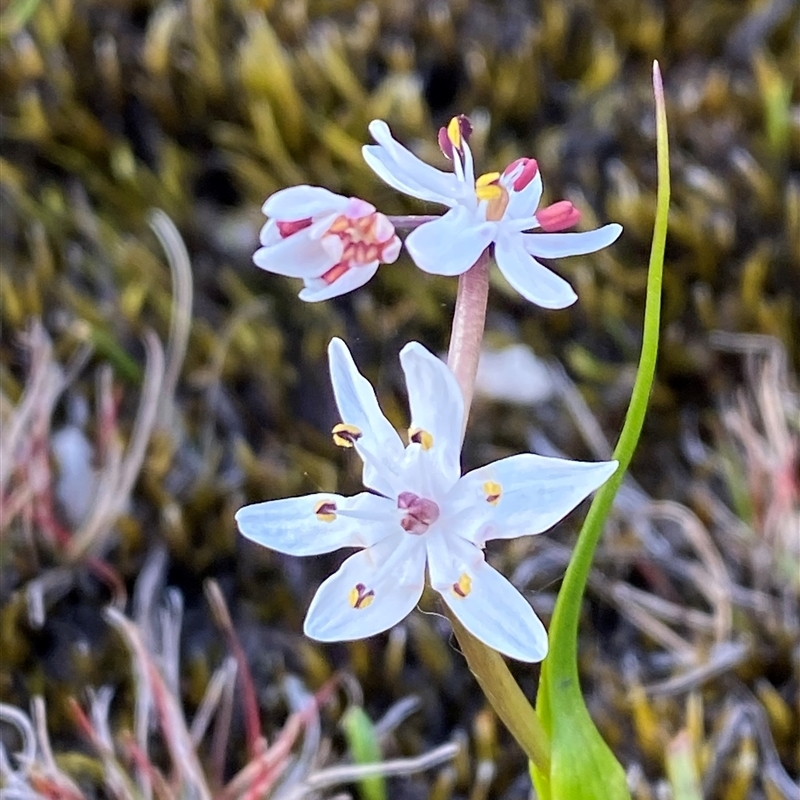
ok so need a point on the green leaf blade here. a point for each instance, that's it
(582, 765)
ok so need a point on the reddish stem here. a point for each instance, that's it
(408, 223)
(469, 319)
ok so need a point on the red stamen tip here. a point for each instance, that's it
(286, 229)
(445, 145)
(558, 217)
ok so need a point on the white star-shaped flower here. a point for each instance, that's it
(334, 243)
(498, 209)
(421, 511)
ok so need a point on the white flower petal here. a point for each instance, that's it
(270, 234)
(402, 170)
(469, 166)
(300, 256)
(387, 170)
(557, 245)
(393, 570)
(451, 244)
(292, 525)
(437, 407)
(301, 202)
(318, 289)
(522, 205)
(379, 444)
(532, 280)
(521, 495)
(492, 610)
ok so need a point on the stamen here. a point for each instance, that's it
(422, 513)
(286, 229)
(346, 435)
(325, 510)
(335, 272)
(365, 238)
(487, 187)
(463, 586)
(420, 437)
(487, 178)
(528, 173)
(493, 492)
(454, 132)
(360, 596)
(558, 217)
(445, 145)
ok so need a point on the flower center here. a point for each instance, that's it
(420, 514)
(489, 188)
(366, 235)
(366, 238)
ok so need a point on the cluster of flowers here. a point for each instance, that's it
(420, 511)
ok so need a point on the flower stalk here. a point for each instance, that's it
(469, 319)
(487, 665)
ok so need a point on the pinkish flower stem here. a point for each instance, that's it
(408, 223)
(487, 665)
(469, 319)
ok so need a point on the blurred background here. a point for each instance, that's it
(153, 380)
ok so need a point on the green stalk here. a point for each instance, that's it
(488, 666)
(577, 748)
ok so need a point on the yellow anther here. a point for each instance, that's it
(486, 179)
(454, 132)
(463, 586)
(487, 186)
(493, 491)
(325, 510)
(488, 193)
(346, 435)
(420, 437)
(361, 597)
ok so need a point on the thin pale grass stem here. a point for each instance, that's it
(65, 787)
(334, 776)
(714, 582)
(104, 515)
(115, 780)
(170, 617)
(222, 617)
(275, 756)
(665, 610)
(178, 740)
(180, 267)
(21, 721)
(223, 679)
(221, 735)
(721, 660)
(44, 384)
(396, 715)
(154, 782)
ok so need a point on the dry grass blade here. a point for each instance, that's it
(173, 725)
(334, 776)
(119, 479)
(180, 268)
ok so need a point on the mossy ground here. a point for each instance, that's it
(199, 388)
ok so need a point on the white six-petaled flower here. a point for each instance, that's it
(498, 209)
(334, 243)
(421, 510)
